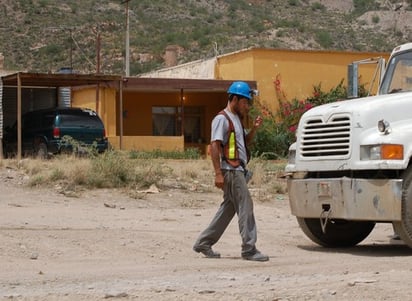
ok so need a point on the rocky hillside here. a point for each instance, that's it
(45, 35)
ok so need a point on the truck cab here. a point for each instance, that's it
(350, 166)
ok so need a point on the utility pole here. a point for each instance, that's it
(96, 31)
(71, 48)
(127, 54)
(98, 46)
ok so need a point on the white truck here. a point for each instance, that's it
(351, 164)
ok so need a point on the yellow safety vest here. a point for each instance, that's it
(230, 150)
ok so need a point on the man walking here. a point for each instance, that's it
(230, 155)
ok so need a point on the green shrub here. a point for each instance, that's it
(324, 39)
(362, 6)
(375, 19)
(293, 2)
(272, 140)
(77, 148)
(318, 6)
(109, 170)
(51, 49)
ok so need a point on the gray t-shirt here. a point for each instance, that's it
(220, 128)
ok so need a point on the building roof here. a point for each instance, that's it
(177, 84)
(297, 51)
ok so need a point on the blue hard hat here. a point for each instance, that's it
(241, 89)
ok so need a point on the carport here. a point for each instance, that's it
(22, 80)
(125, 99)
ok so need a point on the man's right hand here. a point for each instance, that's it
(219, 180)
(215, 151)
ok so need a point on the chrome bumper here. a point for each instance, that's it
(346, 198)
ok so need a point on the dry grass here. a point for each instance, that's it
(118, 170)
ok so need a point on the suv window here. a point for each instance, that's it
(36, 120)
(88, 121)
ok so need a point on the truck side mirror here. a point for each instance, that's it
(353, 80)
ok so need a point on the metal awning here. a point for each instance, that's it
(129, 83)
(56, 80)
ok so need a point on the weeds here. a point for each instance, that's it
(112, 169)
(120, 169)
(190, 153)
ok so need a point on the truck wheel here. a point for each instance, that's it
(404, 227)
(339, 233)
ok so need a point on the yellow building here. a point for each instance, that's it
(294, 72)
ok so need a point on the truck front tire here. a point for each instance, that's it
(338, 234)
(404, 227)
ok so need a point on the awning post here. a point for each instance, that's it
(19, 117)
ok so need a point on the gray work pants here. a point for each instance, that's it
(236, 199)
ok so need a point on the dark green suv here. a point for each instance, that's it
(56, 130)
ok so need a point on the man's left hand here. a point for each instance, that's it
(258, 122)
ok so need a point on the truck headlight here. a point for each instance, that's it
(375, 152)
(382, 152)
(384, 126)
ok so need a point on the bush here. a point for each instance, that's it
(109, 170)
(375, 19)
(324, 39)
(362, 6)
(293, 2)
(272, 140)
(318, 6)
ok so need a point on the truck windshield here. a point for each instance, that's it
(398, 76)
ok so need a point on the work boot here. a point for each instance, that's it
(257, 256)
(209, 253)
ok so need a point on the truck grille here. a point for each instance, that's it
(326, 139)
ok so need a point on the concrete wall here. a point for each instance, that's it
(200, 69)
(85, 97)
(148, 143)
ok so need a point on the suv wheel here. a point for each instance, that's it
(41, 150)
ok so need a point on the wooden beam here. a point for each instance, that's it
(19, 148)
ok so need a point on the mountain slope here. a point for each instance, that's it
(45, 35)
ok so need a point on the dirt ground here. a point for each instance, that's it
(104, 244)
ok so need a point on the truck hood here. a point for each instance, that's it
(321, 143)
(368, 110)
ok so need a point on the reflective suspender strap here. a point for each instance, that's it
(232, 146)
(230, 150)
